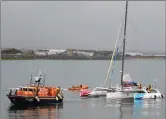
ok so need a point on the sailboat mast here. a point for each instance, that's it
(124, 43)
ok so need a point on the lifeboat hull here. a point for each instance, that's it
(32, 101)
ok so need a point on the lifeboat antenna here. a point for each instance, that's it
(44, 78)
(44, 69)
(30, 70)
(37, 80)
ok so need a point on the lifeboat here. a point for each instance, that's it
(36, 93)
(78, 87)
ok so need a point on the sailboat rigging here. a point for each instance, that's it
(101, 91)
(114, 54)
(120, 94)
(130, 93)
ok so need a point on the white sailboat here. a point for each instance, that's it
(131, 93)
(123, 91)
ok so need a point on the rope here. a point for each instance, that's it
(110, 64)
(114, 64)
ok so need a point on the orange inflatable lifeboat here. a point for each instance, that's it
(78, 87)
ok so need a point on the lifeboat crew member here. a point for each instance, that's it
(10, 93)
(139, 86)
(147, 89)
(58, 95)
(59, 89)
(16, 92)
(150, 88)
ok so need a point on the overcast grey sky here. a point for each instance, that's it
(84, 25)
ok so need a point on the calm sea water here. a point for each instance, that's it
(92, 73)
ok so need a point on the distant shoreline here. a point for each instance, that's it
(14, 57)
(71, 54)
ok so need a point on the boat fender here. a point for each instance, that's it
(59, 96)
(162, 96)
(155, 96)
(37, 99)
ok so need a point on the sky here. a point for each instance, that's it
(82, 24)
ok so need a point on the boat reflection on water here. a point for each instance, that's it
(50, 112)
(120, 102)
(149, 107)
(139, 108)
(123, 107)
(93, 102)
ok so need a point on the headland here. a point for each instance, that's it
(70, 54)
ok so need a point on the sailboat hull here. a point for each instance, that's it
(119, 95)
(97, 92)
(31, 101)
(93, 95)
(143, 96)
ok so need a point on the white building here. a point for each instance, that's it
(81, 53)
(55, 51)
(43, 52)
(134, 54)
